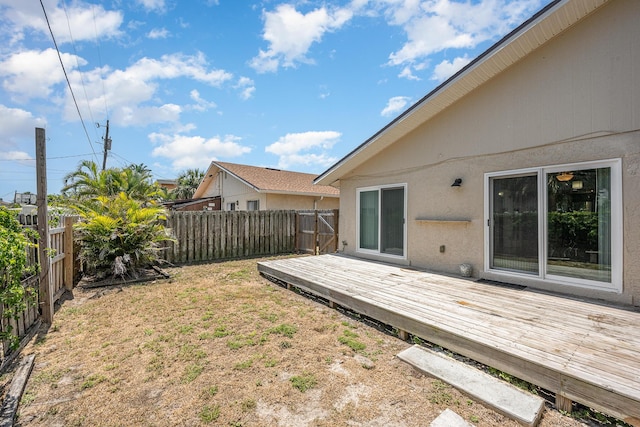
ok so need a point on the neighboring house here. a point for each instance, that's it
(251, 188)
(524, 165)
(168, 184)
(25, 198)
(206, 204)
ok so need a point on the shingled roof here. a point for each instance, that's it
(269, 180)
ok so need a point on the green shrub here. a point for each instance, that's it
(120, 235)
(14, 243)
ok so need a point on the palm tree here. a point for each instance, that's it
(89, 182)
(84, 182)
(188, 182)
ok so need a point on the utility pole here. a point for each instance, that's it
(107, 146)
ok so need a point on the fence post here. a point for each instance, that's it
(69, 256)
(316, 238)
(45, 295)
(336, 224)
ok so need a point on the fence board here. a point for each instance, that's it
(215, 235)
(60, 247)
(316, 232)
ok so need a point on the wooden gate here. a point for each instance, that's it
(317, 231)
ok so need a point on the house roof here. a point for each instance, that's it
(546, 24)
(268, 180)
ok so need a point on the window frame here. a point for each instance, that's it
(257, 205)
(379, 189)
(615, 284)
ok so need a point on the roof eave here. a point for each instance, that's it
(298, 193)
(208, 176)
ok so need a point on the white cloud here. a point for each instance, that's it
(145, 115)
(307, 162)
(16, 124)
(14, 155)
(32, 74)
(246, 86)
(294, 149)
(446, 69)
(296, 142)
(395, 105)
(83, 20)
(158, 33)
(153, 5)
(195, 151)
(436, 25)
(290, 35)
(17, 128)
(178, 65)
(200, 104)
(131, 94)
(407, 73)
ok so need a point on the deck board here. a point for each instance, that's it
(582, 350)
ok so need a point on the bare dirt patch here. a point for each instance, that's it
(219, 345)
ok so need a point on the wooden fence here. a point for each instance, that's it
(63, 270)
(215, 235)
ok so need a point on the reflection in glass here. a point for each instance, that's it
(392, 226)
(515, 224)
(579, 224)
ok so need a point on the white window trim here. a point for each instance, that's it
(404, 227)
(617, 225)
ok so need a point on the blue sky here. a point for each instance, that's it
(294, 85)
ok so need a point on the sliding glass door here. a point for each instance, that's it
(381, 220)
(557, 223)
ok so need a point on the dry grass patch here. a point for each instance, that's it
(220, 345)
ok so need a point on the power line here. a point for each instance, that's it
(30, 172)
(122, 158)
(104, 92)
(48, 158)
(67, 78)
(75, 51)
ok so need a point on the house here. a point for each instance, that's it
(206, 204)
(522, 168)
(168, 184)
(251, 188)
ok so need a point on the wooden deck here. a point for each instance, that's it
(583, 351)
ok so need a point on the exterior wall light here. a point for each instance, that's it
(457, 182)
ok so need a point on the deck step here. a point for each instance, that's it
(503, 397)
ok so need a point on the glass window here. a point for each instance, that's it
(381, 225)
(253, 205)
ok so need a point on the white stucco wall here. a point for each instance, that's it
(289, 202)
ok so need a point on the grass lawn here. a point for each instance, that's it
(219, 345)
